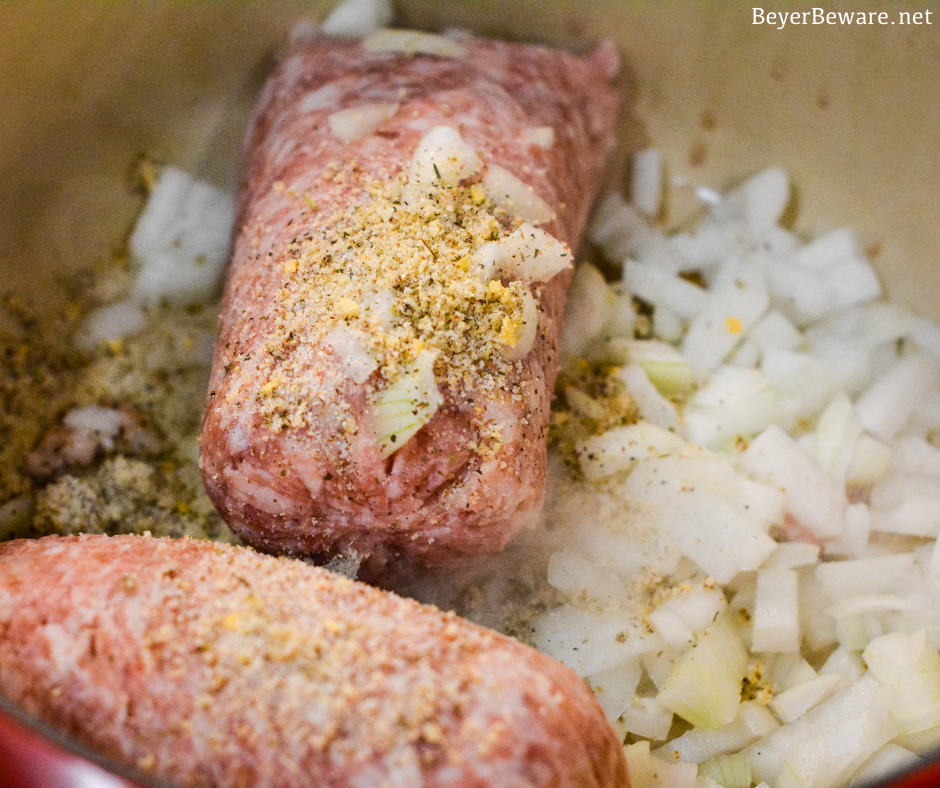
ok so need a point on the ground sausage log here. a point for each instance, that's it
(390, 327)
(211, 665)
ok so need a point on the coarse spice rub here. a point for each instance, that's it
(380, 386)
(396, 281)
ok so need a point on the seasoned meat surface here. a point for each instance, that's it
(336, 290)
(210, 665)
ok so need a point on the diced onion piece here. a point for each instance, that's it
(664, 289)
(357, 18)
(400, 410)
(795, 701)
(827, 250)
(647, 717)
(888, 404)
(615, 639)
(746, 355)
(881, 575)
(733, 402)
(671, 628)
(915, 516)
(911, 667)
(620, 230)
(541, 136)
(695, 746)
(354, 357)
(524, 333)
(915, 454)
(442, 159)
(774, 331)
(790, 555)
(675, 495)
(776, 611)
(845, 664)
(837, 434)
(819, 630)
(888, 761)
(729, 771)
(759, 201)
(614, 688)
(813, 499)
(181, 240)
(528, 254)
(828, 741)
(647, 181)
(666, 368)
(110, 324)
(574, 574)
(705, 687)
(673, 379)
(622, 447)
(854, 539)
(588, 308)
(357, 123)
(696, 609)
(789, 670)
(736, 302)
(647, 770)
(412, 42)
(515, 196)
(650, 404)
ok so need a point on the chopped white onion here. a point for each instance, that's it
(527, 254)
(357, 363)
(829, 741)
(729, 771)
(104, 423)
(695, 746)
(356, 123)
(736, 302)
(181, 240)
(412, 42)
(540, 136)
(615, 639)
(790, 555)
(650, 404)
(614, 688)
(795, 701)
(776, 612)
(818, 504)
(888, 404)
(442, 159)
(622, 447)
(110, 324)
(525, 332)
(515, 196)
(647, 181)
(408, 403)
(889, 760)
(759, 201)
(647, 717)
(879, 575)
(705, 687)
(357, 18)
(588, 308)
(646, 770)
(911, 668)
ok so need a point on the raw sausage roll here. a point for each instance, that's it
(389, 334)
(209, 665)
